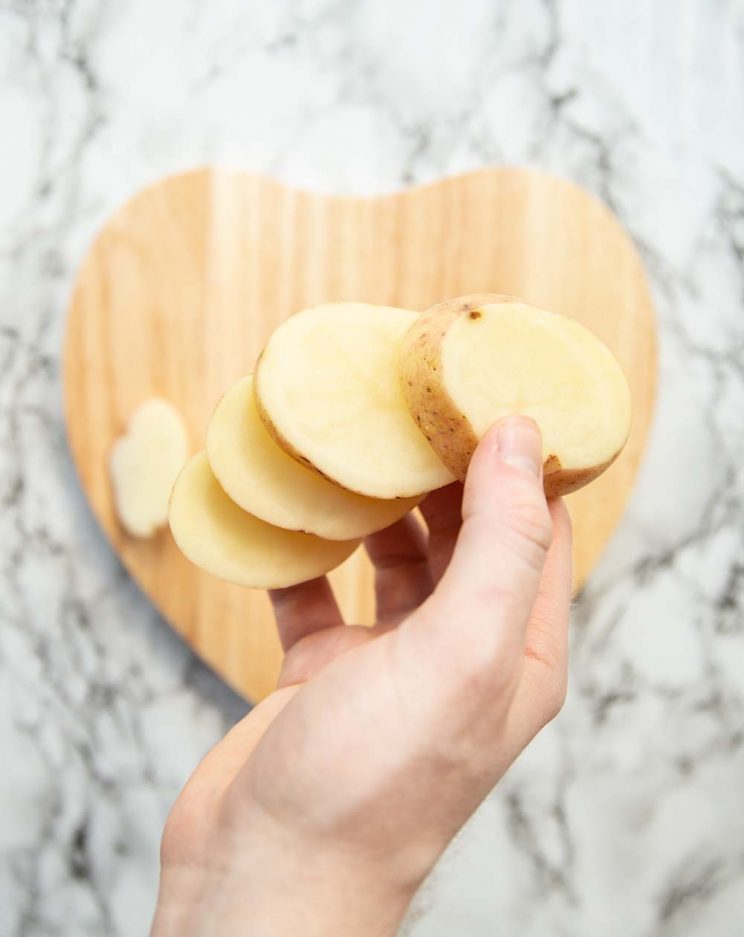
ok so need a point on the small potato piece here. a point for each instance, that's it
(219, 537)
(471, 361)
(261, 478)
(327, 389)
(144, 463)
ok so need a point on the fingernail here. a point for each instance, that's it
(519, 444)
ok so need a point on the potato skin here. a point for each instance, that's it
(558, 481)
(447, 429)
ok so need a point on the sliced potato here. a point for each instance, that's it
(261, 478)
(471, 361)
(328, 391)
(221, 538)
(144, 463)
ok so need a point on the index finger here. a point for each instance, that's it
(442, 511)
(303, 609)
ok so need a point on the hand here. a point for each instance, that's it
(323, 810)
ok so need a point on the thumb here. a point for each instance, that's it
(490, 586)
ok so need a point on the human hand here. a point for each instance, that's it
(324, 809)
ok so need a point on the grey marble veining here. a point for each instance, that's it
(626, 817)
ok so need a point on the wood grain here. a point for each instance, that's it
(182, 287)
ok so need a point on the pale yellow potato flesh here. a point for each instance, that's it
(221, 538)
(261, 478)
(470, 362)
(328, 391)
(144, 463)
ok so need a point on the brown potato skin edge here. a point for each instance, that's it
(565, 481)
(447, 429)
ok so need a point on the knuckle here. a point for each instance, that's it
(548, 661)
(553, 696)
(183, 836)
(171, 841)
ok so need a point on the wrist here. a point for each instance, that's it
(271, 886)
(324, 899)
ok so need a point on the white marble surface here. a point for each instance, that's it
(627, 816)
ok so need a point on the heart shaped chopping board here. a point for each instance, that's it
(183, 286)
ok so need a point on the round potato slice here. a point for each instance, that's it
(328, 391)
(261, 478)
(471, 361)
(221, 538)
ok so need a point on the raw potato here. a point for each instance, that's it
(221, 538)
(328, 391)
(470, 361)
(261, 478)
(144, 464)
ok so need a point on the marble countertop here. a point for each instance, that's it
(626, 817)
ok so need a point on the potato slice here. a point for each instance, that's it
(221, 538)
(144, 463)
(261, 478)
(328, 391)
(471, 361)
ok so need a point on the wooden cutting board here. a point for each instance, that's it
(185, 283)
